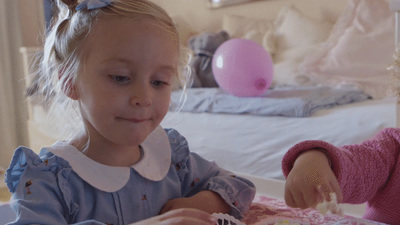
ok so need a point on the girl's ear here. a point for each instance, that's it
(70, 90)
(68, 86)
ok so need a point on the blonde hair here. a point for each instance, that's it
(59, 64)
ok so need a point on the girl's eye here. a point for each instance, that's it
(120, 79)
(158, 83)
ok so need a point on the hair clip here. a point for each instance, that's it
(92, 4)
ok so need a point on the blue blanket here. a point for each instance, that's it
(290, 102)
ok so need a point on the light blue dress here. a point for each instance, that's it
(73, 189)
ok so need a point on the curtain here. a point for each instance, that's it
(13, 113)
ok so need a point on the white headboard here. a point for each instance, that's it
(202, 18)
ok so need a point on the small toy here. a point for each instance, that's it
(203, 46)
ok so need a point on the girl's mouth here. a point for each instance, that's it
(133, 120)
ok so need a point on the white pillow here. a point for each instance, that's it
(359, 49)
(296, 36)
(294, 29)
(257, 30)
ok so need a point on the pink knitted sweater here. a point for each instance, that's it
(367, 172)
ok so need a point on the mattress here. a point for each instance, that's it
(255, 145)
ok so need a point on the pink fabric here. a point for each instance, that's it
(268, 211)
(358, 51)
(367, 172)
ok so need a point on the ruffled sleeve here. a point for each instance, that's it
(39, 187)
(197, 174)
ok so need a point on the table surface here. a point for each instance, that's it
(270, 211)
(276, 188)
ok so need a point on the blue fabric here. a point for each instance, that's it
(47, 191)
(93, 4)
(288, 101)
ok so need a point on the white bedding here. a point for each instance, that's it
(255, 145)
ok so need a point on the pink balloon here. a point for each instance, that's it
(242, 67)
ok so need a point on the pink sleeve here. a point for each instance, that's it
(361, 169)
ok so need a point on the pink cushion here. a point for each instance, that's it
(359, 49)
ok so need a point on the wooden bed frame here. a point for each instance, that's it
(395, 7)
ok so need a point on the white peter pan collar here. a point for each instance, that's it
(154, 164)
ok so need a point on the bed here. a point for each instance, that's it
(331, 82)
(331, 60)
(352, 49)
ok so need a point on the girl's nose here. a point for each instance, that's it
(141, 97)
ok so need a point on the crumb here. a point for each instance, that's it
(330, 207)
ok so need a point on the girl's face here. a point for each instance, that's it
(124, 87)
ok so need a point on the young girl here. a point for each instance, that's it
(368, 172)
(115, 61)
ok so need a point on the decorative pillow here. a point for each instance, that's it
(296, 36)
(359, 49)
(286, 70)
(294, 29)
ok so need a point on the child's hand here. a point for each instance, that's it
(181, 216)
(207, 201)
(310, 181)
(178, 203)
